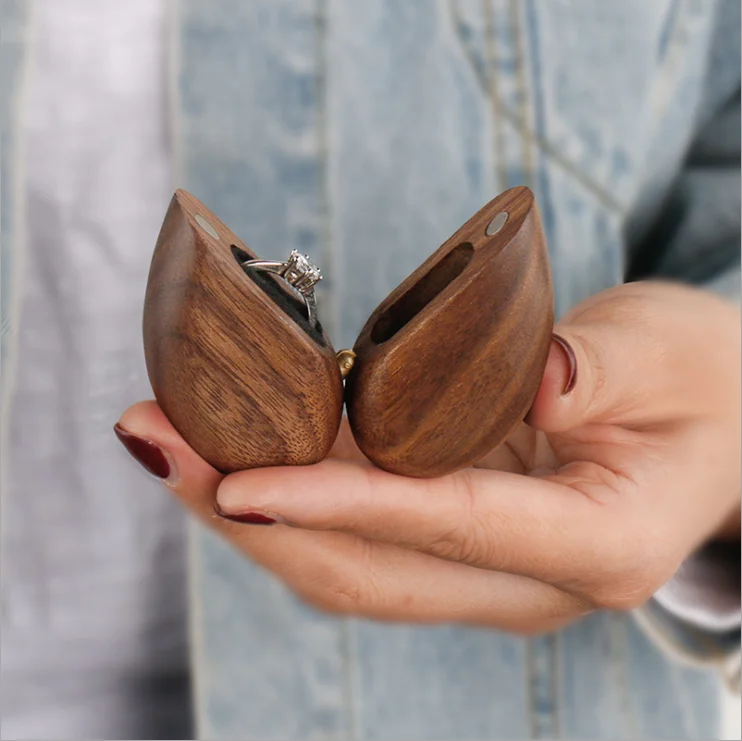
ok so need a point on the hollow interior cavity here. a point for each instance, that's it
(293, 306)
(416, 298)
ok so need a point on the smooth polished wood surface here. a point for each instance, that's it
(231, 359)
(445, 367)
(451, 361)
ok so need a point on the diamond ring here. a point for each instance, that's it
(299, 272)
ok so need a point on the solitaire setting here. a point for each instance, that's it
(299, 272)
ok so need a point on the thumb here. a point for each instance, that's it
(637, 355)
(574, 389)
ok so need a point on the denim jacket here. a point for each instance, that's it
(364, 134)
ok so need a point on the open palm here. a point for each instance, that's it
(594, 503)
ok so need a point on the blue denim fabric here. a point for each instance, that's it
(365, 133)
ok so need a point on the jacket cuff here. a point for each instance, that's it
(696, 616)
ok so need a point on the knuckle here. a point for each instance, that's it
(347, 598)
(624, 595)
(598, 373)
(466, 540)
(630, 564)
(454, 544)
(336, 598)
(344, 589)
(629, 583)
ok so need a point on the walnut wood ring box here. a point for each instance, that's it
(444, 369)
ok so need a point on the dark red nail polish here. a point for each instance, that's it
(149, 454)
(569, 353)
(247, 518)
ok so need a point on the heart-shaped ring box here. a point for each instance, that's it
(445, 368)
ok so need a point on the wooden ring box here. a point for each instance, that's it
(446, 366)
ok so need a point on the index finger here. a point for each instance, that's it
(490, 519)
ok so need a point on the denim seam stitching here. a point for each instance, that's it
(549, 150)
(328, 253)
(618, 639)
(497, 134)
(524, 91)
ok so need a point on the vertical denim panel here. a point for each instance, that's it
(615, 684)
(541, 673)
(580, 211)
(592, 692)
(365, 133)
(681, 90)
(249, 129)
(268, 667)
(586, 116)
(409, 144)
(440, 683)
(668, 701)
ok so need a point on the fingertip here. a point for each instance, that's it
(302, 496)
(147, 430)
(146, 420)
(278, 480)
(244, 488)
(145, 417)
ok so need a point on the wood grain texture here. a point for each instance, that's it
(231, 359)
(451, 361)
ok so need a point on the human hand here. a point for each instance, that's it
(629, 461)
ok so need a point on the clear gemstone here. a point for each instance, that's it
(300, 272)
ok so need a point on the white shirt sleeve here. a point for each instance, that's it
(697, 616)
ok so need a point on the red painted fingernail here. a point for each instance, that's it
(247, 518)
(571, 363)
(149, 454)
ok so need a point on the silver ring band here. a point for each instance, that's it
(299, 272)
